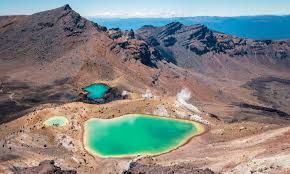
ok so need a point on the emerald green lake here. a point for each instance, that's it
(96, 91)
(56, 121)
(136, 134)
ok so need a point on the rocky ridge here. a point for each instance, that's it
(183, 45)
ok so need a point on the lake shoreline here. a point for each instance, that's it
(200, 129)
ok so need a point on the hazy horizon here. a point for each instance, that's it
(261, 15)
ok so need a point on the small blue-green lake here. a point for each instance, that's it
(56, 121)
(96, 90)
(137, 134)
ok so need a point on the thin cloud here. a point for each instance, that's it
(138, 14)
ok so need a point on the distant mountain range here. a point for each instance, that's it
(254, 27)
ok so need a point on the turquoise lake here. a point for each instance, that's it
(56, 121)
(96, 91)
(136, 134)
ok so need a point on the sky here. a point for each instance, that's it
(151, 8)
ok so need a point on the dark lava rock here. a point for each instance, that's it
(198, 48)
(131, 34)
(133, 48)
(273, 95)
(170, 29)
(45, 24)
(169, 41)
(115, 33)
(201, 32)
(152, 41)
(123, 44)
(156, 54)
(44, 167)
(136, 168)
(265, 109)
(144, 54)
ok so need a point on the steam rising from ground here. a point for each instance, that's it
(182, 97)
(181, 101)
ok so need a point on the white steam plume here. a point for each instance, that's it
(182, 97)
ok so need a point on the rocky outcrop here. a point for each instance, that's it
(170, 29)
(169, 41)
(115, 33)
(152, 41)
(137, 168)
(44, 167)
(131, 34)
(134, 49)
